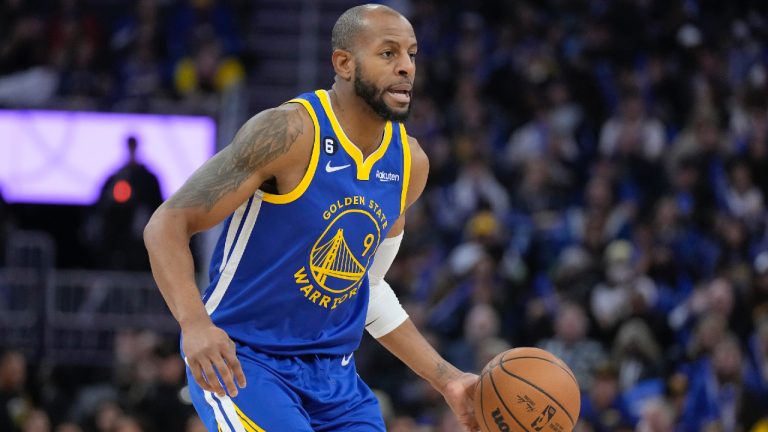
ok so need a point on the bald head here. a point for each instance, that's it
(352, 23)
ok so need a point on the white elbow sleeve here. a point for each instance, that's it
(384, 310)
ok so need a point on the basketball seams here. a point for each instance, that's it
(570, 374)
(501, 399)
(482, 408)
(501, 365)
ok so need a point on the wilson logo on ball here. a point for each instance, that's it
(499, 419)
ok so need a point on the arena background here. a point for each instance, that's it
(598, 185)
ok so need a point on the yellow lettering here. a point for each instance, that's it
(324, 301)
(335, 303)
(326, 215)
(378, 213)
(333, 208)
(315, 295)
(307, 289)
(352, 292)
(362, 200)
(384, 225)
(301, 276)
(347, 201)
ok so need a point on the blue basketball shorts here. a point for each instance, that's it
(301, 394)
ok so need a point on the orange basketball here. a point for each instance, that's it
(527, 390)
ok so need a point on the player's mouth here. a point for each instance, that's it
(401, 93)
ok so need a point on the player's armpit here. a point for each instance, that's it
(260, 149)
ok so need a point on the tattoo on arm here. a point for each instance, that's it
(260, 141)
(442, 369)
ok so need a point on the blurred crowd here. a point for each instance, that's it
(148, 55)
(598, 185)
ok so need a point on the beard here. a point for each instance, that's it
(374, 97)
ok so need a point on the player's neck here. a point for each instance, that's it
(361, 125)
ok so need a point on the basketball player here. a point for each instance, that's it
(313, 193)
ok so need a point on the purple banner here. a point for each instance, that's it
(65, 157)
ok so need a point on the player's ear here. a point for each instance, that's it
(343, 63)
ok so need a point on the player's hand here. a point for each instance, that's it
(460, 395)
(209, 350)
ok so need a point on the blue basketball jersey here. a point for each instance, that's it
(289, 273)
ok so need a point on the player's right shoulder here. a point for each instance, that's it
(272, 136)
(284, 123)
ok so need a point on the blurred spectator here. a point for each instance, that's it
(758, 297)
(192, 20)
(632, 132)
(637, 354)
(575, 274)
(541, 191)
(600, 203)
(143, 26)
(139, 41)
(15, 405)
(194, 424)
(657, 416)
(571, 344)
(545, 136)
(128, 423)
(475, 188)
(480, 326)
(107, 416)
(127, 200)
(691, 192)
(76, 50)
(624, 293)
(757, 354)
(710, 329)
(702, 138)
(720, 396)
(743, 200)
(37, 421)
(160, 400)
(716, 302)
(25, 78)
(22, 37)
(68, 427)
(602, 407)
(209, 72)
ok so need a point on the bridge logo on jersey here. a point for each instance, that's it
(339, 259)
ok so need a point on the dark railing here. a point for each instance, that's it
(72, 316)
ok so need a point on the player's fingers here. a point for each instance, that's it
(199, 374)
(235, 367)
(213, 380)
(226, 376)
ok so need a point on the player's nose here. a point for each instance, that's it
(405, 66)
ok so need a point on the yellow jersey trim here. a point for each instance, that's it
(406, 167)
(310, 174)
(248, 424)
(363, 166)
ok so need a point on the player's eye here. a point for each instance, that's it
(387, 54)
(412, 55)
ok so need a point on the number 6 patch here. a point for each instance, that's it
(330, 145)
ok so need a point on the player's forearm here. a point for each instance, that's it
(167, 240)
(407, 344)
